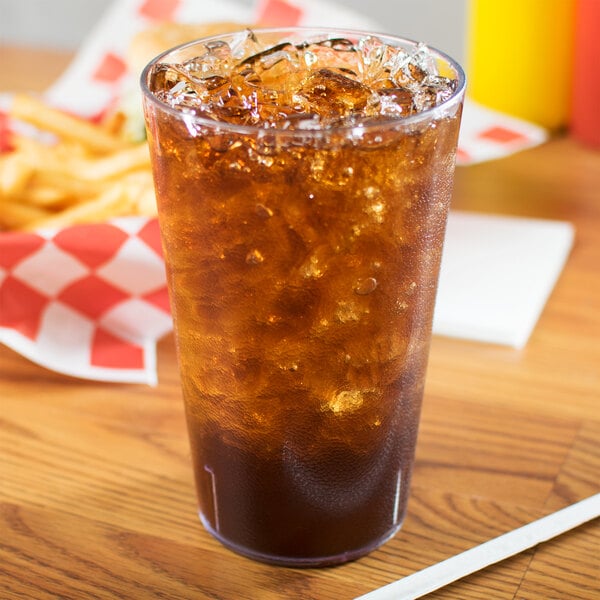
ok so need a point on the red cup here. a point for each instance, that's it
(585, 108)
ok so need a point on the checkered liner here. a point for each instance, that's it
(90, 301)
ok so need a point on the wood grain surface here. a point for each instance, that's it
(96, 491)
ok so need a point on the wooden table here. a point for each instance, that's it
(96, 492)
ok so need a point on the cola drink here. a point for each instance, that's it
(303, 180)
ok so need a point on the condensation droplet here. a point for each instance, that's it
(365, 286)
(263, 211)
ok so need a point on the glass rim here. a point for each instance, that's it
(403, 122)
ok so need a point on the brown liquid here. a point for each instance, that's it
(302, 280)
(288, 507)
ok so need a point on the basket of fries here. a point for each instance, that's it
(82, 288)
(70, 171)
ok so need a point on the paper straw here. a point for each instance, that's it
(436, 576)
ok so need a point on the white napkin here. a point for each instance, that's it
(497, 273)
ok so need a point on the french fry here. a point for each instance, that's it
(87, 174)
(113, 202)
(92, 168)
(39, 114)
(48, 198)
(17, 215)
(53, 188)
(15, 172)
(141, 192)
(114, 123)
(113, 165)
(146, 201)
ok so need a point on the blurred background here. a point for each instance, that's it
(62, 24)
(533, 39)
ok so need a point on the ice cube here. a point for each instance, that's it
(337, 53)
(215, 61)
(317, 84)
(397, 101)
(330, 93)
(377, 60)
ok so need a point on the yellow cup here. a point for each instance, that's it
(520, 55)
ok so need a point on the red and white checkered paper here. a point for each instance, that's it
(90, 301)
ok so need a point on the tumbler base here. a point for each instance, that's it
(295, 561)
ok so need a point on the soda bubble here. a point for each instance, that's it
(264, 212)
